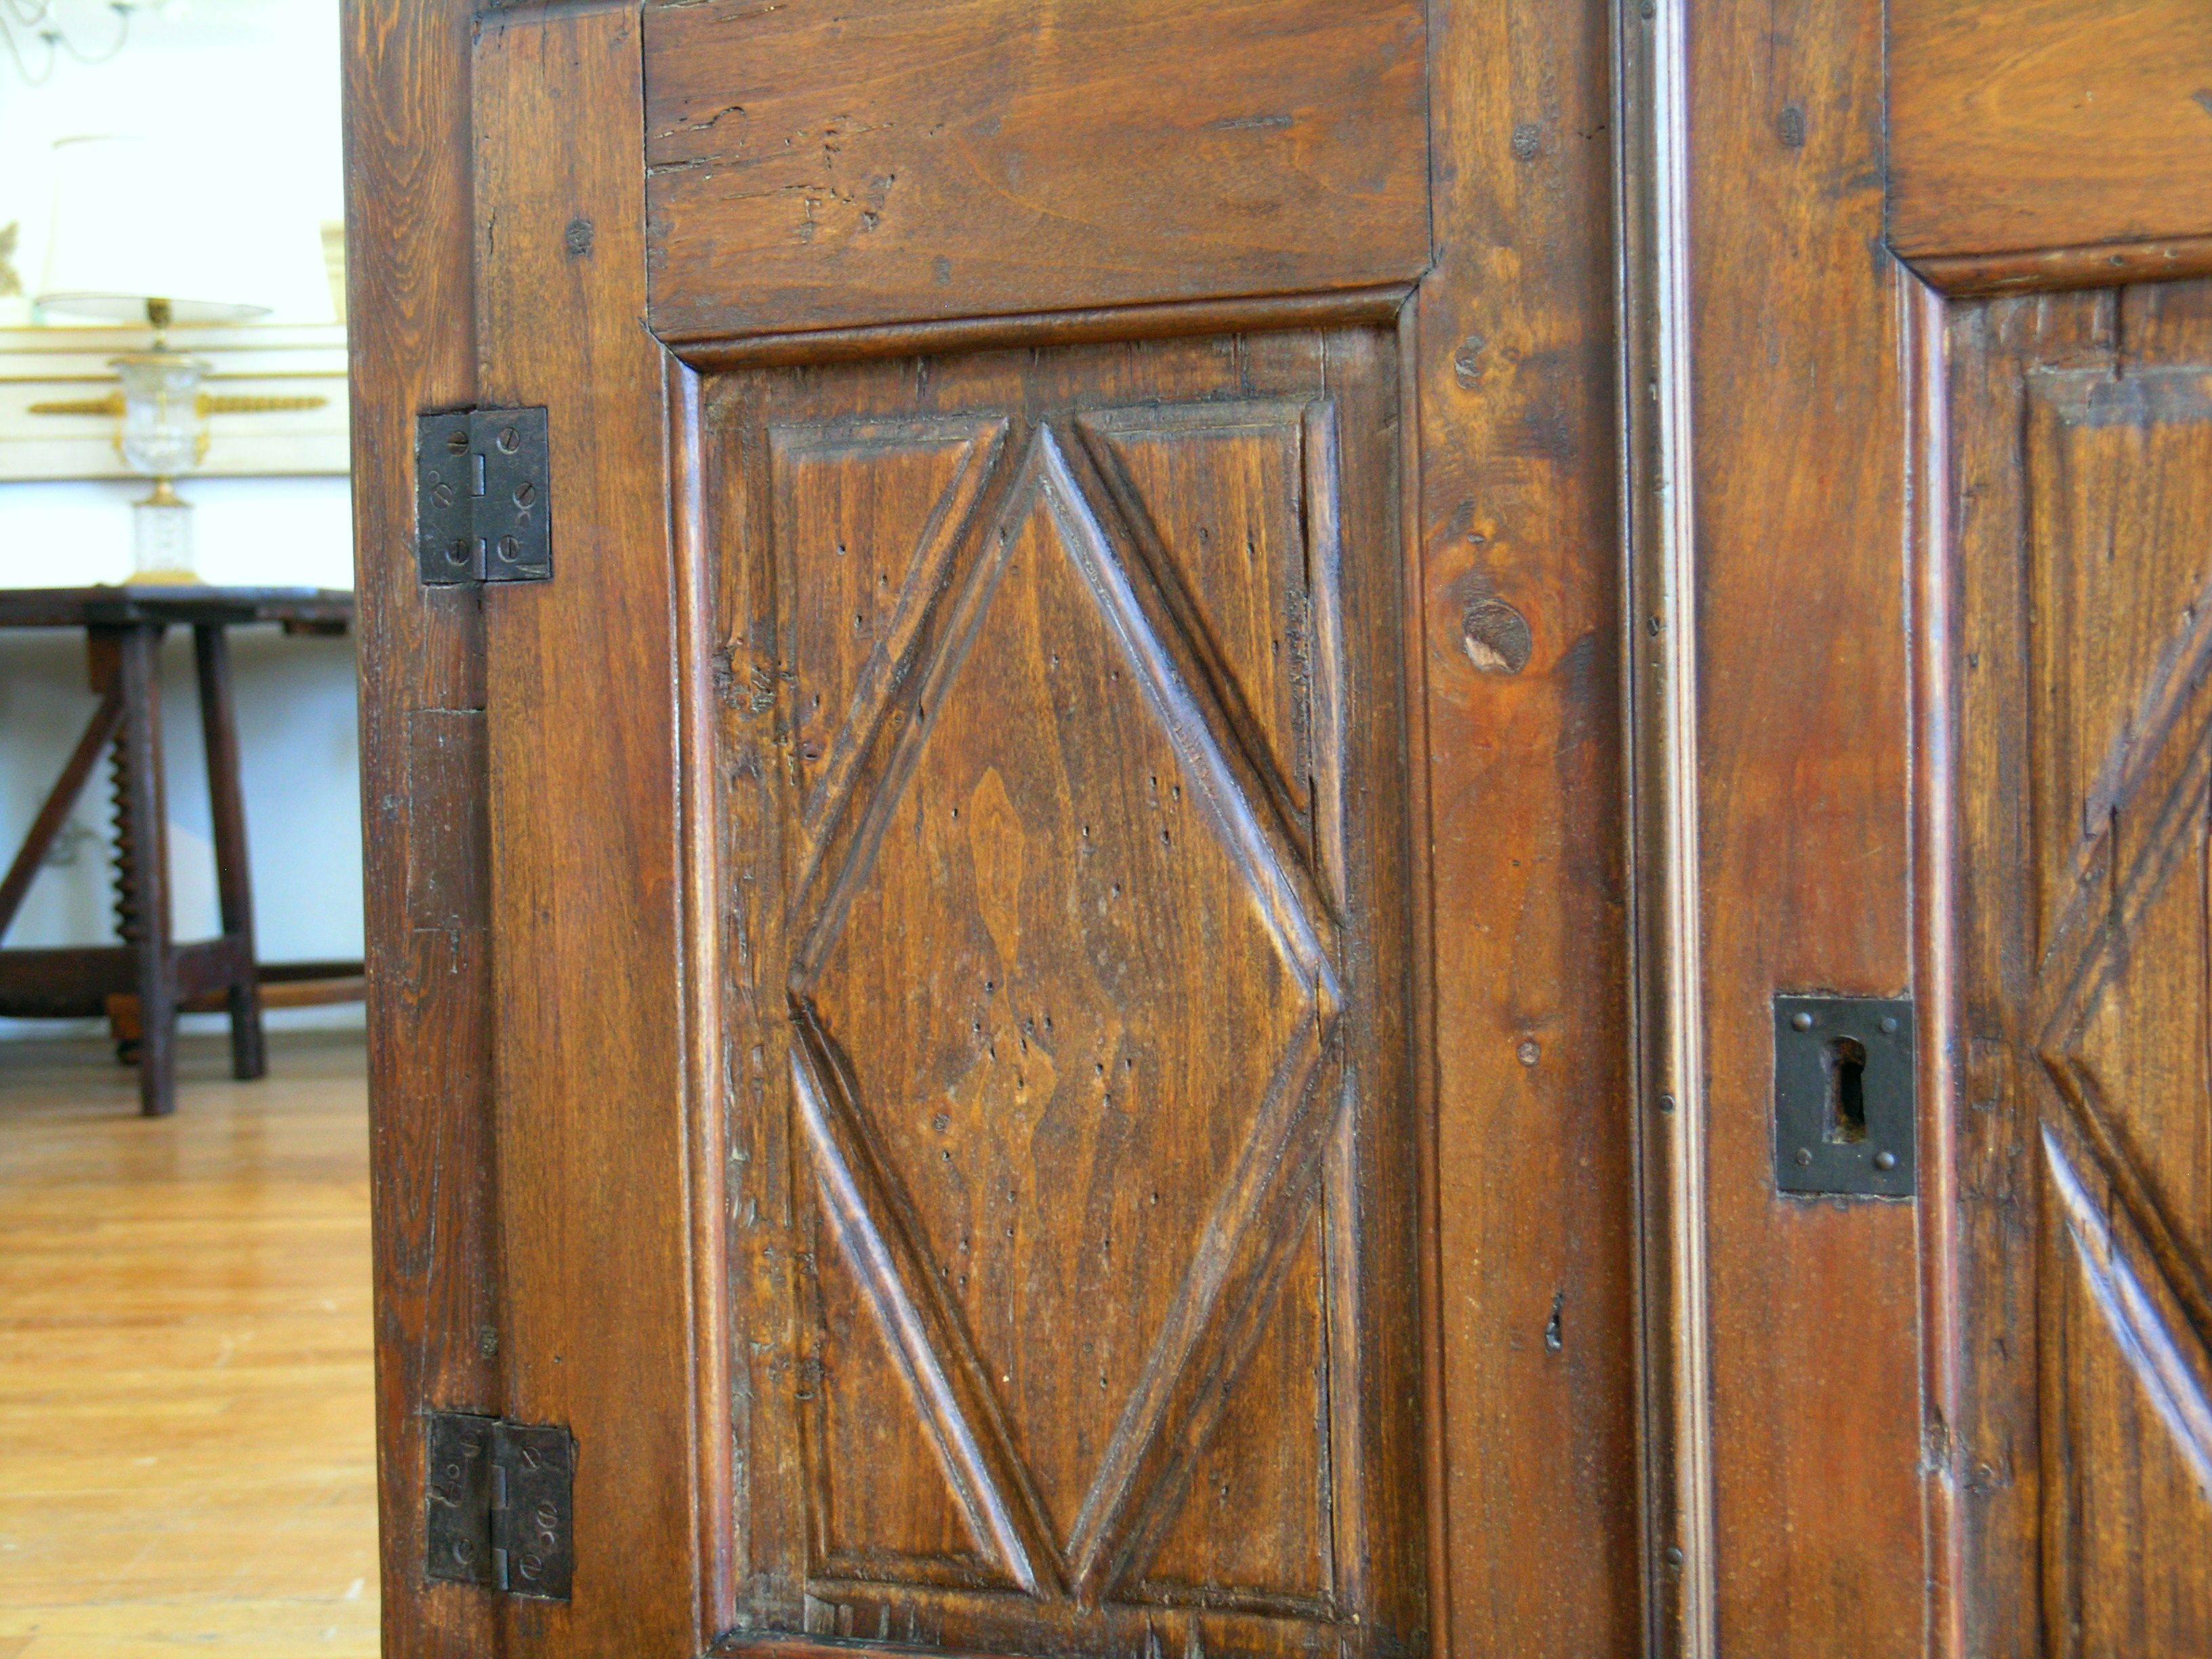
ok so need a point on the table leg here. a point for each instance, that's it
(99, 733)
(141, 862)
(249, 1056)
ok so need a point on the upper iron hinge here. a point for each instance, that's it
(484, 496)
(500, 1505)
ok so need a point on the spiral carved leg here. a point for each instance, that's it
(142, 896)
(129, 904)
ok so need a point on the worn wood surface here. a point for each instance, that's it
(2066, 269)
(186, 1413)
(412, 339)
(2048, 124)
(1066, 870)
(2079, 440)
(890, 162)
(585, 899)
(1516, 726)
(1419, 1319)
(1799, 445)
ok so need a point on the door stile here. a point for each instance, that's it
(1422, 960)
(1659, 638)
(589, 878)
(1520, 763)
(409, 208)
(1804, 854)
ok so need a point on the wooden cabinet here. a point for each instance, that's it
(1097, 978)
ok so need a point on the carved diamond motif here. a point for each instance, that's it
(1121, 1062)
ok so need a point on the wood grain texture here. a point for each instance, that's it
(1802, 722)
(2066, 269)
(2048, 124)
(413, 342)
(1250, 1475)
(2084, 1148)
(586, 890)
(1516, 507)
(187, 1420)
(1066, 899)
(1938, 961)
(1659, 645)
(1095, 325)
(891, 162)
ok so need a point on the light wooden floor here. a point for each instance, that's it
(186, 1451)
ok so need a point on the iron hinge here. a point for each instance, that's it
(500, 1501)
(484, 496)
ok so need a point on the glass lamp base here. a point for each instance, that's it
(161, 537)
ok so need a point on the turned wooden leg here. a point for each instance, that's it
(249, 1055)
(142, 863)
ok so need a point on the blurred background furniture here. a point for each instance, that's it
(142, 983)
(140, 234)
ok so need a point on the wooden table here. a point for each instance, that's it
(143, 982)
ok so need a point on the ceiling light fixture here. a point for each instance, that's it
(38, 34)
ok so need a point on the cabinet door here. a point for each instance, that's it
(1930, 339)
(1043, 920)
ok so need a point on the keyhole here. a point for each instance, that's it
(1845, 1059)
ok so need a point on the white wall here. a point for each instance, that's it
(261, 77)
(300, 757)
(255, 79)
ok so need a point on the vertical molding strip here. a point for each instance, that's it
(699, 818)
(1932, 627)
(1651, 99)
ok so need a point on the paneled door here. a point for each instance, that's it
(2067, 363)
(1104, 965)
(1919, 296)
(918, 1035)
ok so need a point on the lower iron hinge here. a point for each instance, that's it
(500, 1505)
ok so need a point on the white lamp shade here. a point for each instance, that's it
(137, 219)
